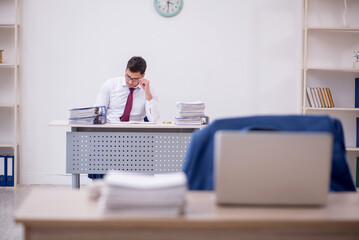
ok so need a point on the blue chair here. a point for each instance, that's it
(198, 165)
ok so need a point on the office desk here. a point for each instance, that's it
(54, 214)
(145, 148)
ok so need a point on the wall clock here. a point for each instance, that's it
(168, 8)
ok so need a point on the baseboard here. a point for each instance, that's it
(59, 179)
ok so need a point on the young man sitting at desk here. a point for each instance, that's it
(129, 98)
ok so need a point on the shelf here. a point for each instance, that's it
(352, 149)
(8, 105)
(7, 145)
(7, 65)
(333, 29)
(8, 25)
(10, 84)
(354, 70)
(332, 109)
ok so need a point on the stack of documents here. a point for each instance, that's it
(89, 115)
(137, 194)
(190, 113)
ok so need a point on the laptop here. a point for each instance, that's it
(272, 168)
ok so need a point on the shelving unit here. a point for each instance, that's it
(330, 37)
(9, 82)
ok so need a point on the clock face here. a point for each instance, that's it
(168, 8)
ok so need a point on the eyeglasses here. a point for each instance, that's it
(132, 79)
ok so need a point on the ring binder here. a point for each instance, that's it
(10, 170)
(89, 115)
(2, 170)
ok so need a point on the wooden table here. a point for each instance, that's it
(69, 214)
(143, 147)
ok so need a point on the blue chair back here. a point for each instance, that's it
(199, 159)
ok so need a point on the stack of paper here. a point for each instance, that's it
(190, 113)
(136, 194)
(89, 115)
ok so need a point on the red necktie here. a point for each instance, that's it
(126, 114)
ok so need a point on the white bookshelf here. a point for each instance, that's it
(349, 70)
(330, 37)
(330, 109)
(9, 82)
(344, 29)
(353, 149)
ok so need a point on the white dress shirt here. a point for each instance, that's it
(113, 95)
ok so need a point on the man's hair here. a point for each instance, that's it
(137, 64)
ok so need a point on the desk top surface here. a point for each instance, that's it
(65, 123)
(67, 206)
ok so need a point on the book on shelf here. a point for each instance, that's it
(7, 171)
(357, 92)
(330, 97)
(317, 97)
(314, 98)
(320, 100)
(326, 90)
(322, 104)
(88, 115)
(320, 97)
(310, 98)
(326, 100)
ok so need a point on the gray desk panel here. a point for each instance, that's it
(145, 152)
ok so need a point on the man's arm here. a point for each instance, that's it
(152, 110)
(103, 97)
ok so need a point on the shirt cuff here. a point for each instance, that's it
(151, 103)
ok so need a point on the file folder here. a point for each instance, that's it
(10, 170)
(357, 93)
(2, 170)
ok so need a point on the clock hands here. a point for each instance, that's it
(168, 4)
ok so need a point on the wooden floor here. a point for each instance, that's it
(10, 199)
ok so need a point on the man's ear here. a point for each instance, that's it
(143, 75)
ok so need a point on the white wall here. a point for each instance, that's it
(241, 57)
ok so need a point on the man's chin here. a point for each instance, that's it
(132, 86)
